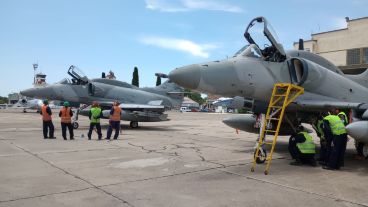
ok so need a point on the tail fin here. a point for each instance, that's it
(169, 89)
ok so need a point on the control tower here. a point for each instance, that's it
(39, 78)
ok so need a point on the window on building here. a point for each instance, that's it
(353, 57)
(365, 55)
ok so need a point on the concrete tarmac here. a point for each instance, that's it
(192, 160)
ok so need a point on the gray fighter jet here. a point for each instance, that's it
(138, 104)
(33, 104)
(253, 71)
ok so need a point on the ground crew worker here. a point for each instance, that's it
(94, 115)
(342, 116)
(114, 122)
(47, 124)
(334, 127)
(302, 148)
(318, 127)
(66, 114)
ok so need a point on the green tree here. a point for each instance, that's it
(3, 100)
(135, 79)
(158, 81)
(194, 96)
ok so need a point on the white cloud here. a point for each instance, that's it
(199, 50)
(190, 5)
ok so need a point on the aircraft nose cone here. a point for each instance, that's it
(187, 76)
(28, 92)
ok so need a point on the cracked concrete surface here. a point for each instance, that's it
(192, 160)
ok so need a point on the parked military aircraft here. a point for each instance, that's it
(33, 104)
(138, 104)
(253, 71)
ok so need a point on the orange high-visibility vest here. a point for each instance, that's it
(65, 115)
(116, 115)
(45, 116)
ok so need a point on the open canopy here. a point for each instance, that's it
(261, 33)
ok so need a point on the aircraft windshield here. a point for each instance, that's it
(249, 51)
(241, 50)
(64, 81)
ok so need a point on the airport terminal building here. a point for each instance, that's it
(347, 48)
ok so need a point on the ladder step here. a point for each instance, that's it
(279, 95)
(277, 107)
(272, 118)
(267, 130)
(269, 143)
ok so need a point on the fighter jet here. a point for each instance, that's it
(253, 71)
(138, 104)
(33, 104)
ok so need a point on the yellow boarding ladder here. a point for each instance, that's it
(282, 95)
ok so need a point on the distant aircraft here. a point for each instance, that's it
(253, 71)
(34, 104)
(138, 104)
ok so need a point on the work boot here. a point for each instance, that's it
(313, 163)
(296, 163)
(65, 138)
(328, 168)
(71, 138)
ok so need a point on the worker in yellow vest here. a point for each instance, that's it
(334, 128)
(114, 122)
(343, 116)
(318, 127)
(302, 148)
(47, 124)
(94, 115)
(66, 114)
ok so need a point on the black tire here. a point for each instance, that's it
(75, 125)
(134, 124)
(261, 159)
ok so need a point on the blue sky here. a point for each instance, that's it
(154, 35)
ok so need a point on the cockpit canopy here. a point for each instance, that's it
(261, 33)
(78, 77)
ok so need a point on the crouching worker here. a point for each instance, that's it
(302, 148)
(94, 115)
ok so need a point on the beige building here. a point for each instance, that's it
(347, 48)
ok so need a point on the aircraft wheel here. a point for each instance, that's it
(24, 111)
(75, 125)
(365, 151)
(134, 124)
(262, 155)
(362, 149)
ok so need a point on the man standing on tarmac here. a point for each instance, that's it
(334, 127)
(302, 148)
(115, 114)
(94, 115)
(66, 114)
(47, 124)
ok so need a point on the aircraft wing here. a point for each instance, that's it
(318, 104)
